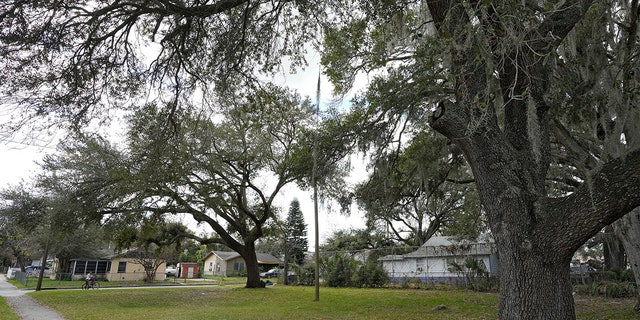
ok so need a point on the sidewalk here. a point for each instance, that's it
(25, 307)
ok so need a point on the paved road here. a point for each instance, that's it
(26, 307)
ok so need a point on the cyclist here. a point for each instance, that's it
(90, 279)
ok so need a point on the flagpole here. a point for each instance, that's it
(315, 195)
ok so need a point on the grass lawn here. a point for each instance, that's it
(75, 284)
(282, 302)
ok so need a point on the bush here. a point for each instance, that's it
(341, 272)
(619, 289)
(371, 275)
(306, 275)
(589, 289)
(475, 273)
(610, 289)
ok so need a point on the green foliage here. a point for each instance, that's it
(620, 289)
(370, 275)
(342, 270)
(420, 190)
(305, 275)
(619, 275)
(355, 240)
(338, 270)
(475, 273)
(43, 216)
(207, 167)
(205, 49)
(295, 233)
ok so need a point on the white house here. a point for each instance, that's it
(432, 262)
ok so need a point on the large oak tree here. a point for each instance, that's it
(222, 170)
(496, 77)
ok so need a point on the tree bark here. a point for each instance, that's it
(248, 253)
(628, 230)
(613, 250)
(533, 286)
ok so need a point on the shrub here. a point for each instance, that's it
(371, 275)
(338, 270)
(306, 275)
(619, 289)
(340, 276)
(475, 273)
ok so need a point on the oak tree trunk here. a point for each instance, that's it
(248, 253)
(533, 260)
(628, 230)
(532, 286)
(534, 276)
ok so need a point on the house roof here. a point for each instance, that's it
(440, 241)
(132, 254)
(266, 258)
(263, 258)
(441, 246)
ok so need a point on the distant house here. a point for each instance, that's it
(128, 266)
(433, 261)
(229, 263)
(78, 268)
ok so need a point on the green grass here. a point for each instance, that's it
(6, 313)
(282, 302)
(66, 284)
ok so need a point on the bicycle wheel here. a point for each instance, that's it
(85, 286)
(96, 285)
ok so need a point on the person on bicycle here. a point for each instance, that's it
(90, 278)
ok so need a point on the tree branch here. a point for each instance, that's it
(612, 192)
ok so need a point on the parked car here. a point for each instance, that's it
(273, 273)
(34, 271)
(171, 272)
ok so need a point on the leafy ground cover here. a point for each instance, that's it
(281, 302)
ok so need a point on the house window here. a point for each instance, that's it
(122, 267)
(238, 266)
(210, 266)
(218, 267)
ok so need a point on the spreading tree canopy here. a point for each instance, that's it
(71, 61)
(420, 190)
(223, 170)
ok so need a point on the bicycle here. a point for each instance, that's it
(90, 285)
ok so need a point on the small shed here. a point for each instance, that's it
(187, 270)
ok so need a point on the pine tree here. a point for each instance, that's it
(295, 239)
